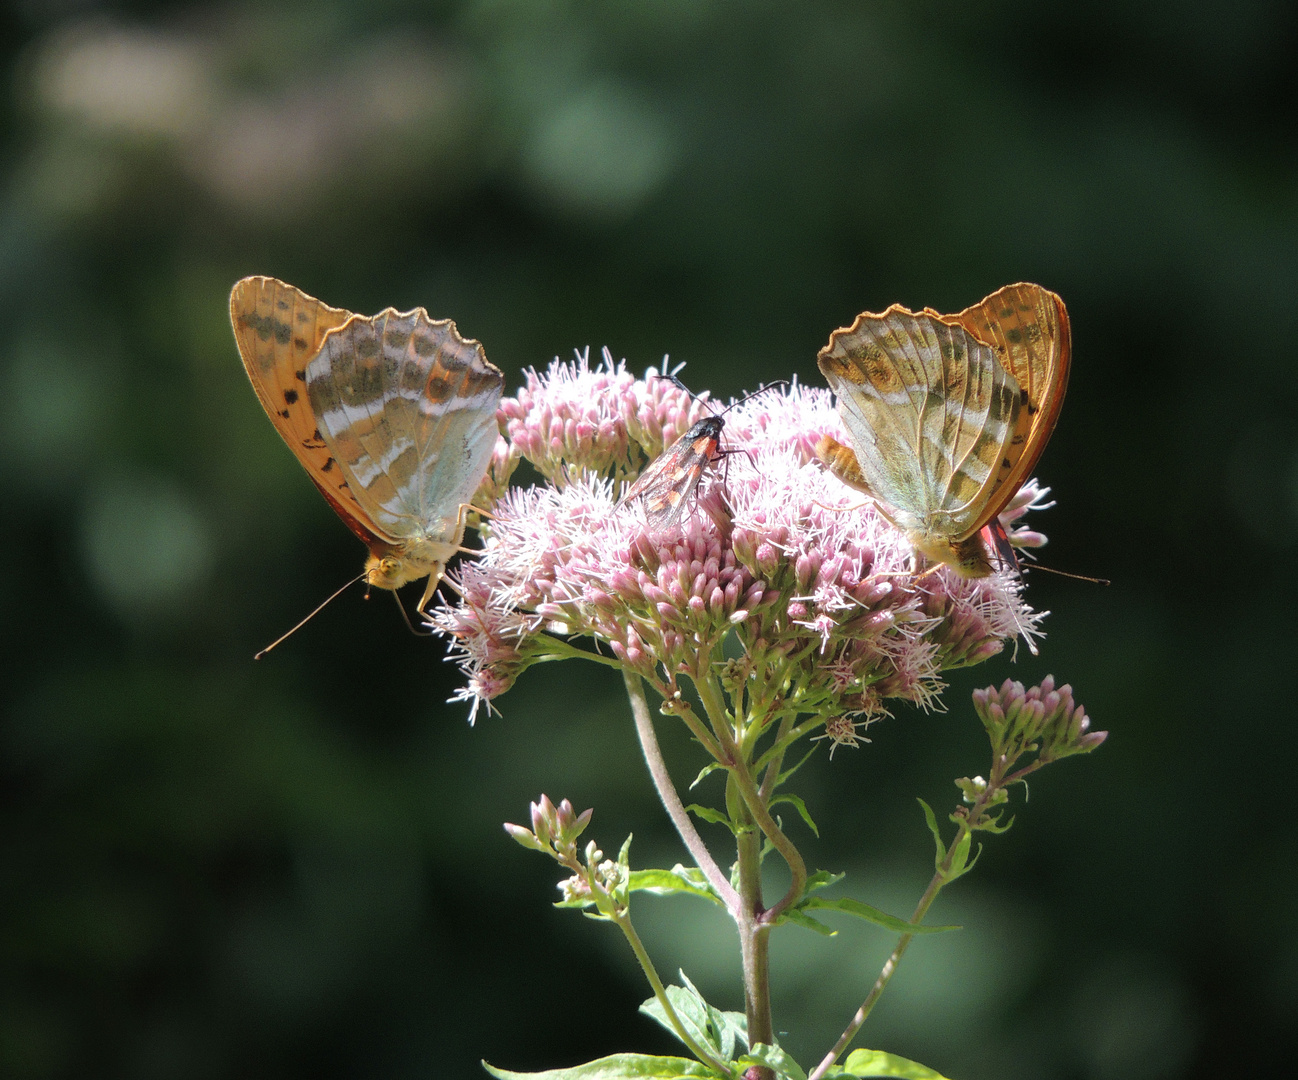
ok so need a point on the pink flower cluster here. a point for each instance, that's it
(813, 583)
(576, 421)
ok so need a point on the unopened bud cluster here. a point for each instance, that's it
(1044, 719)
(555, 829)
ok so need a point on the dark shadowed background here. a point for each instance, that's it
(212, 868)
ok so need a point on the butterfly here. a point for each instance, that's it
(672, 477)
(393, 417)
(948, 414)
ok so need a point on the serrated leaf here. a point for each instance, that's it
(848, 906)
(619, 1067)
(694, 1026)
(801, 808)
(866, 1063)
(695, 1015)
(714, 816)
(773, 1057)
(931, 818)
(821, 879)
(670, 883)
(726, 1026)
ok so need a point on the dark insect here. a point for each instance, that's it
(672, 478)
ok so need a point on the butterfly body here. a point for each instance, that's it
(947, 414)
(672, 477)
(393, 418)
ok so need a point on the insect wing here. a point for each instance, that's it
(279, 330)
(407, 408)
(669, 482)
(1028, 328)
(930, 412)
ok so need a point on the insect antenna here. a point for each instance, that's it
(1007, 555)
(1065, 573)
(320, 608)
(747, 397)
(722, 453)
(674, 378)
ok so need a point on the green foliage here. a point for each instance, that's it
(847, 906)
(774, 1058)
(617, 1067)
(679, 880)
(712, 1028)
(716, 817)
(800, 806)
(866, 1063)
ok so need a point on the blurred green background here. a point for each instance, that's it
(212, 868)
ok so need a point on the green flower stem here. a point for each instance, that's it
(670, 799)
(737, 763)
(680, 707)
(623, 920)
(776, 759)
(752, 922)
(754, 938)
(890, 965)
(935, 885)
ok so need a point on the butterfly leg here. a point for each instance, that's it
(455, 546)
(461, 523)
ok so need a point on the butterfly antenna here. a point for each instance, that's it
(1075, 577)
(338, 593)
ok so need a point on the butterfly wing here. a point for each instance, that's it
(407, 408)
(931, 413)
(1027, 326)
(279, 330)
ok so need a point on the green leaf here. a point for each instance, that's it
(726, 1026)
(619, 1067)
(710, 1028)
(863, 1063)
(779, 780)
(992, 824)
(695, 1016)
(931, 818)
(577, 902)
(703, 772)
(959, 857)
(620, 894)
(821, 879)
(774, 1058)
(848, 906)
(714, 816)
(801, 807)
(676, 881)
(800, 918)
